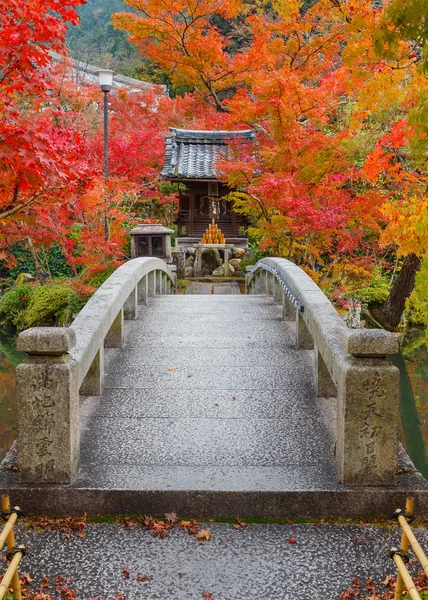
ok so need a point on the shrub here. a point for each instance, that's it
(97, 280)
(14, 302)
(377, 291)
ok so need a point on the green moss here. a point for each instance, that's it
(35, 305)
(14, 302)
(245, 263)
(49, 305)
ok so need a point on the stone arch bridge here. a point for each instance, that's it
(257, 405)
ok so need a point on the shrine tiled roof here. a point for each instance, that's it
(192, 154)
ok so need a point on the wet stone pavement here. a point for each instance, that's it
(257, 562)
(209, 393)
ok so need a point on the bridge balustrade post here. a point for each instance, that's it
(259, 285)
(368, 410)
(269, 283)
(173, 278)
(130, 308)
(143, 290)
(277, 291)
(304, 339)
(48, 407)
(248, 279)
(288, 310)
(152, 283)
(323, 381)
(158, 283)
(115, 337)
(93, 383)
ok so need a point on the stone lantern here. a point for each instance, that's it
(151, 240)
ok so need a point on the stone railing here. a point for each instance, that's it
(350, 364)
(64, 362)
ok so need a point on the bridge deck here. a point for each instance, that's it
(208, 394)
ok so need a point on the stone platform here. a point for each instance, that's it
(255, 563)
(210, 411)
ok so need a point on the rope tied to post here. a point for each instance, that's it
(400, 512)
(395, 552)
(19, 549)
(14, 510)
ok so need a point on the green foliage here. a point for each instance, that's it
(39, 305)
(14, 302)
(409, 21)
(49, 305)
(100, 278)
(418, 301)
(245, 263)
(96, 41)
(254, 239)
(52, 261)
(376, 291)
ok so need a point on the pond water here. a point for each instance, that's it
(9, 358)
(413, 364)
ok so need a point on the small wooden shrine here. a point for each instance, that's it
(191, 157)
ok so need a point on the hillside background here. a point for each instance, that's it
(95, 41)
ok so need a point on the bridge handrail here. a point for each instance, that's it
(350, 364)
(63, 361)
(333, 338)
(293, 299)
(97, 316)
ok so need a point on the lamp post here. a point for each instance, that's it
(105, 78)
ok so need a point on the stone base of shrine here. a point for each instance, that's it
(189, 242)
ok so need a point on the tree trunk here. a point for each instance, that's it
(389, 314)
(35, 259)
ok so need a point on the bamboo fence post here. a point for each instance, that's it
(12, 570)
(5, 506)
(417, 548)
(404, 549)
(403, 572)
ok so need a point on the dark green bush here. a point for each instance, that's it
(53, 260)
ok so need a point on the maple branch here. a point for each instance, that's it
(261, 130)
(15, 209)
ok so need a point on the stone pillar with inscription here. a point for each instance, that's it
(368, 410)
(48, 407)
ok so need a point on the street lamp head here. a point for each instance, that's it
(105, 78)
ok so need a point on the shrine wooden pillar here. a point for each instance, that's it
(192, 212)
